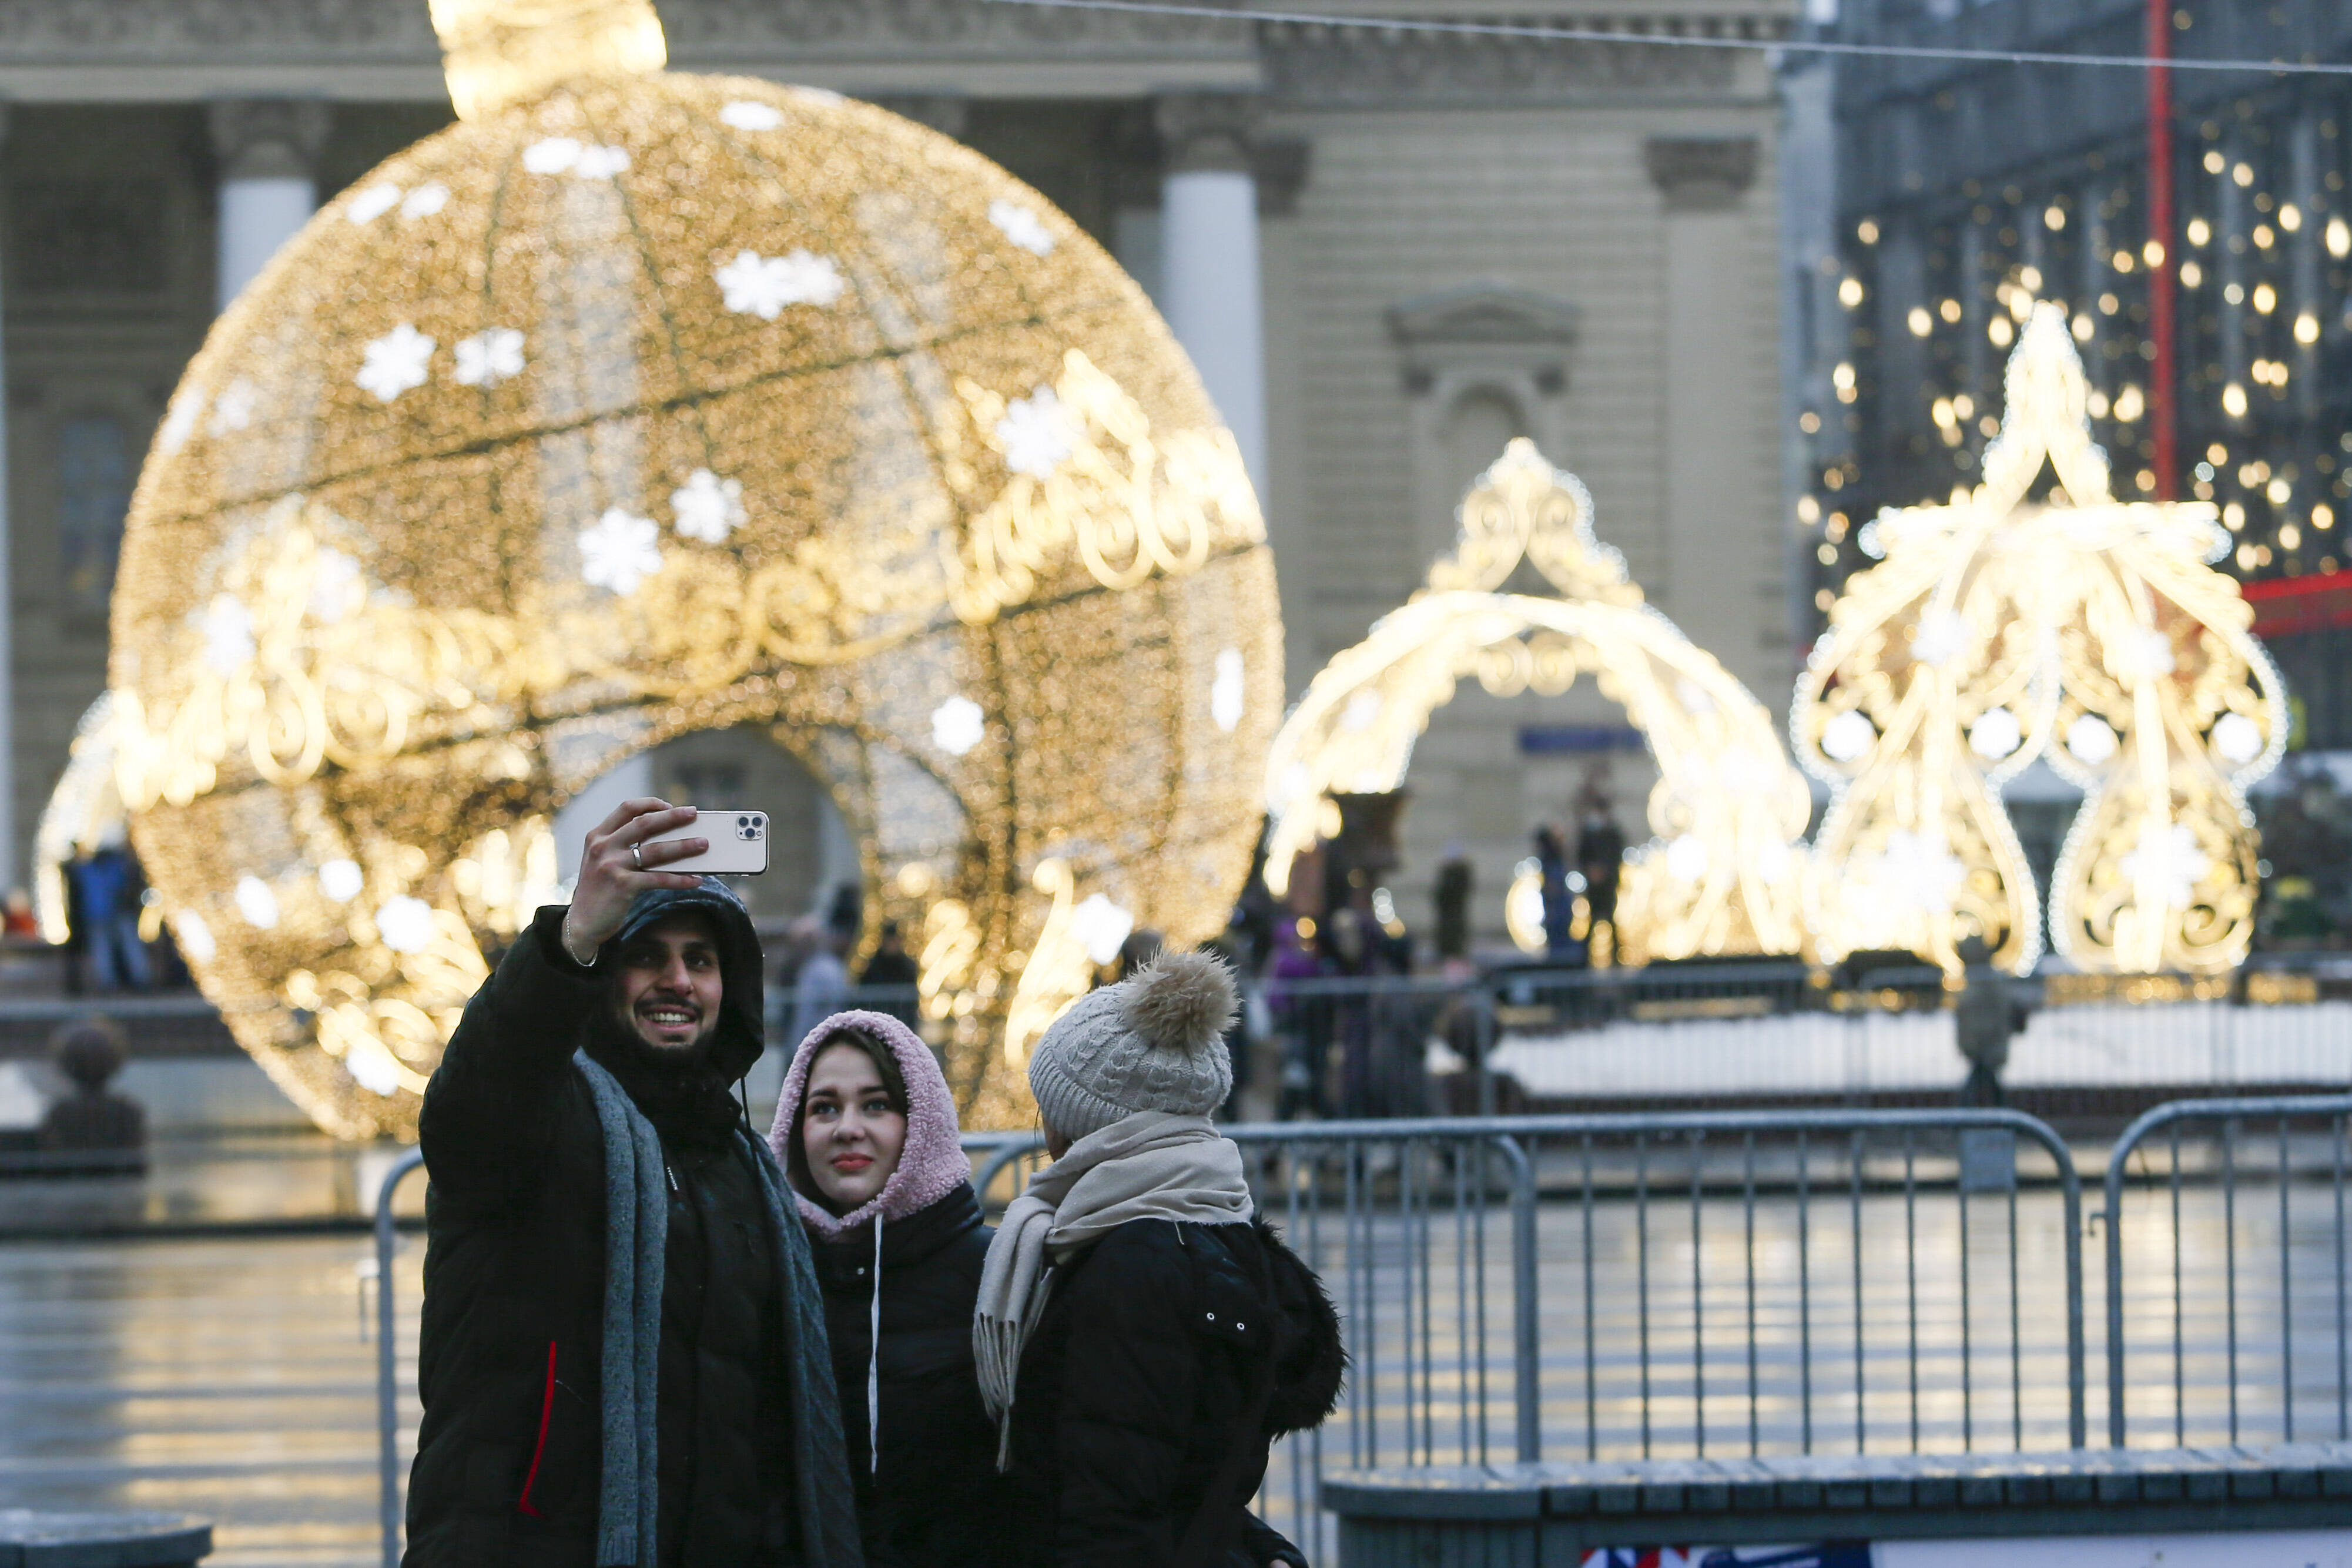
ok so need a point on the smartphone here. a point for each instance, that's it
(738, 843)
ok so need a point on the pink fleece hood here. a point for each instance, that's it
(931, 1166)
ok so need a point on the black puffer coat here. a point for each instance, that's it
(936, 1501)
(1137, 1382)
(507, 1468)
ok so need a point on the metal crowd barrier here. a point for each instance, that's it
(2240, 1186)
(1637, 1285)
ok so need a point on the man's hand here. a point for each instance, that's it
(613, 869)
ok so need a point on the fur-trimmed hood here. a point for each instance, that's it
(932, 1163)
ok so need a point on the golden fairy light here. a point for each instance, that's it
(2073, 627)
(638, 404)
(1720, 873)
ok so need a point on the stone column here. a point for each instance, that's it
(11, 862)
(1717, 282)
(268, 150)
(1209, 275)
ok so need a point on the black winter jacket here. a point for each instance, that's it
(936, 1501)
(1137, 1381)
(508, 1466)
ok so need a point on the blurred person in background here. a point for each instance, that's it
(1559, 898)
(1455, 880)
(865, 1129)
(1601, 859)
(622, 1353)
(105, 884)
(1142, 1335)
(892, 968)
(1303, 1015)
(821, 983)
(1348, 954)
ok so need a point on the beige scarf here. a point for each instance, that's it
(1151, 1166)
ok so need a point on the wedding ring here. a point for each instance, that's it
(636, 859)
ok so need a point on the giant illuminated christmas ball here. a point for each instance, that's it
(655, 404)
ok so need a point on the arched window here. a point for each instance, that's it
(94, 474)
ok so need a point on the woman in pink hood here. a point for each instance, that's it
(865, 1131)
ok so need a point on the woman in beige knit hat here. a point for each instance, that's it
(1141, 1335)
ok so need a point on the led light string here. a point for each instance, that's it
(1690, 41)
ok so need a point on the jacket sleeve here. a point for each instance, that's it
(492, 1107)
(1129, 1378)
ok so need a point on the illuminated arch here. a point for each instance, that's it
(2078, 627)
(1719, 875)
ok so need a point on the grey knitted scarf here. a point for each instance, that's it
(636, 1236)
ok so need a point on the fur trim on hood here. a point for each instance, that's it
(932, 1163)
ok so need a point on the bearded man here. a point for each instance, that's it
(622, 1357)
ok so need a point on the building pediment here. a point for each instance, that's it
(1480, 314)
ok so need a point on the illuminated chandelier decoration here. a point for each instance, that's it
(637, 405)
(1721, 873)
(2078, 627)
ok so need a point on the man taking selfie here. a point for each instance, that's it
(622, 1357)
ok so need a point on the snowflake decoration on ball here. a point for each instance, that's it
(490, 357)
(228, 628)
(337, 587)
(233, 409)
(619, 550)
(602, 162)
(707, 507)
(372, 203)
(746, 114)
(256, 903)
(565, 155)
(1228, 692)
(1038, 434)
(180, 420)
(958, 725)
(405, 924)
(395, 363)
(761, 286)
(1021, 226)
(1101, 926)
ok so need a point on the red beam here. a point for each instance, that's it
(2287, 604)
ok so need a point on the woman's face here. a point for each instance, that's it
(849, 1131)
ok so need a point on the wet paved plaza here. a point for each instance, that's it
(224, 1377)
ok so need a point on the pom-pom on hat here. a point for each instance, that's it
(1152, 1042)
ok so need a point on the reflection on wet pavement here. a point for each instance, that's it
(257, 1180)
(223, 1377)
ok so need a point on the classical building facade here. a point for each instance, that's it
(1388, 252)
